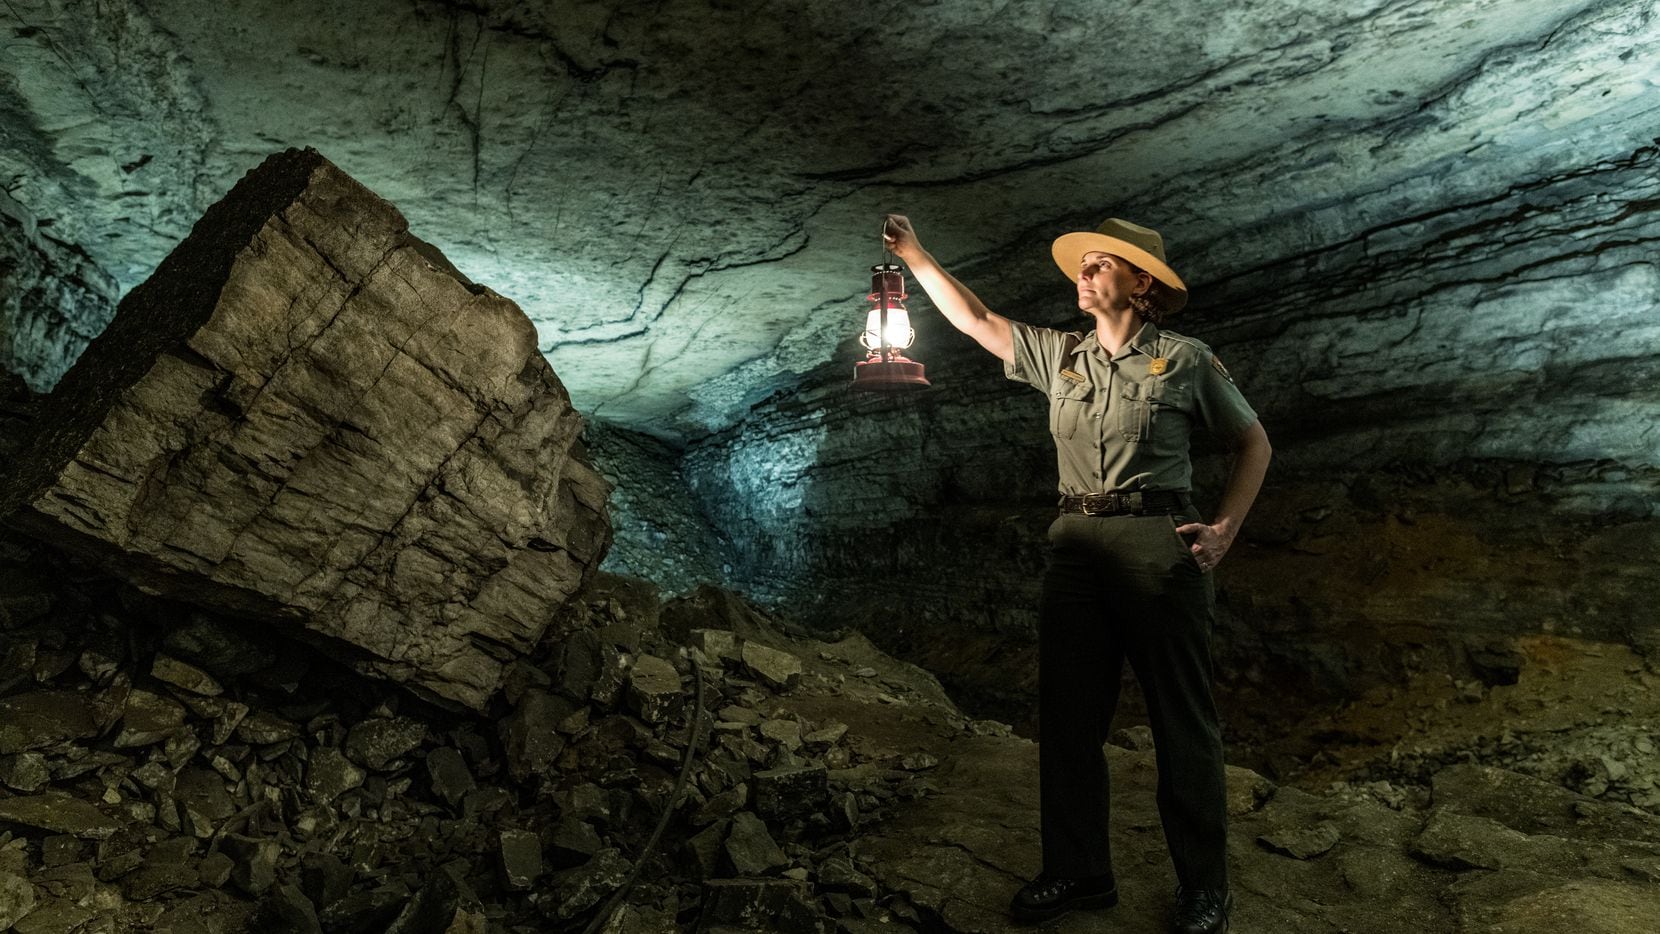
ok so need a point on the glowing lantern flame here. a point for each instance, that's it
(885, 367)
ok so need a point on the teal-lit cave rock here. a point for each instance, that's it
(1421, 234)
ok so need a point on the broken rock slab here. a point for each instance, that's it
(17, 899)
(1534, 806)
(750, 904)
(521, 858)
(44, 718)
(58, 813)
(1303, 842)
(780, 670)
(307, 416)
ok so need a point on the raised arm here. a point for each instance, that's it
(961, 307)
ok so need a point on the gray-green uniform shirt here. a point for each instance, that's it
(1122, 422)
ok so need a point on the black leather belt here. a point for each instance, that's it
(1127, 504)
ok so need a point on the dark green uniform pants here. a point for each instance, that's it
(1122, 587)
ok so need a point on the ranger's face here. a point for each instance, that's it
(1106, 282)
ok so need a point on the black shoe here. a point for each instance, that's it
(1050, 896)
(1201, 911)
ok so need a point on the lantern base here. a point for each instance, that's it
(898, 373)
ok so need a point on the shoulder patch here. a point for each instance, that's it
(1216, 361)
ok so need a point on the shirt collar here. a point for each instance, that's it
(1145, 340)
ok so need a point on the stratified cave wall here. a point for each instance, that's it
(53, 299)
(1462, 400)
(918, 518)
(1464, 407)
(1418, 234)
(660, 532)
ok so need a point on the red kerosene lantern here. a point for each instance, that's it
(887, 331)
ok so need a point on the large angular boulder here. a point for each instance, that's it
(308, 416)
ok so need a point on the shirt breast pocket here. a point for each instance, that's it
(1068, 406)
(1152, 408)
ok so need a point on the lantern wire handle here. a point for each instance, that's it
(883, 290)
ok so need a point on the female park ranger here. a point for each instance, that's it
(1129, 558)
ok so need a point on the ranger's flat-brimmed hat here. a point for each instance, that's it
(1140, 245)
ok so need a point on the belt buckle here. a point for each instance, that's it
(1108, 502)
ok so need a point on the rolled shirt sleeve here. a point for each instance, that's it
(1221, 406)
(1037, 354)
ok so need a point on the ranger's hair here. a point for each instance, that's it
(1157, 302)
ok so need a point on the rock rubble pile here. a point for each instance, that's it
(163, 769)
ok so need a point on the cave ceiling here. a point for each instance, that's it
(685, 197)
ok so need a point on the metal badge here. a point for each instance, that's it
(1158, 365)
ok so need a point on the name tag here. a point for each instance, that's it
(1073, 376)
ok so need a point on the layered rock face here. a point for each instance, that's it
(660, 531)
(918, 519)
(1460, 399)
(1463, 407)
(53, 299)
(307, 416)
(679, 191)
(1444, 320)
(1415, 231)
